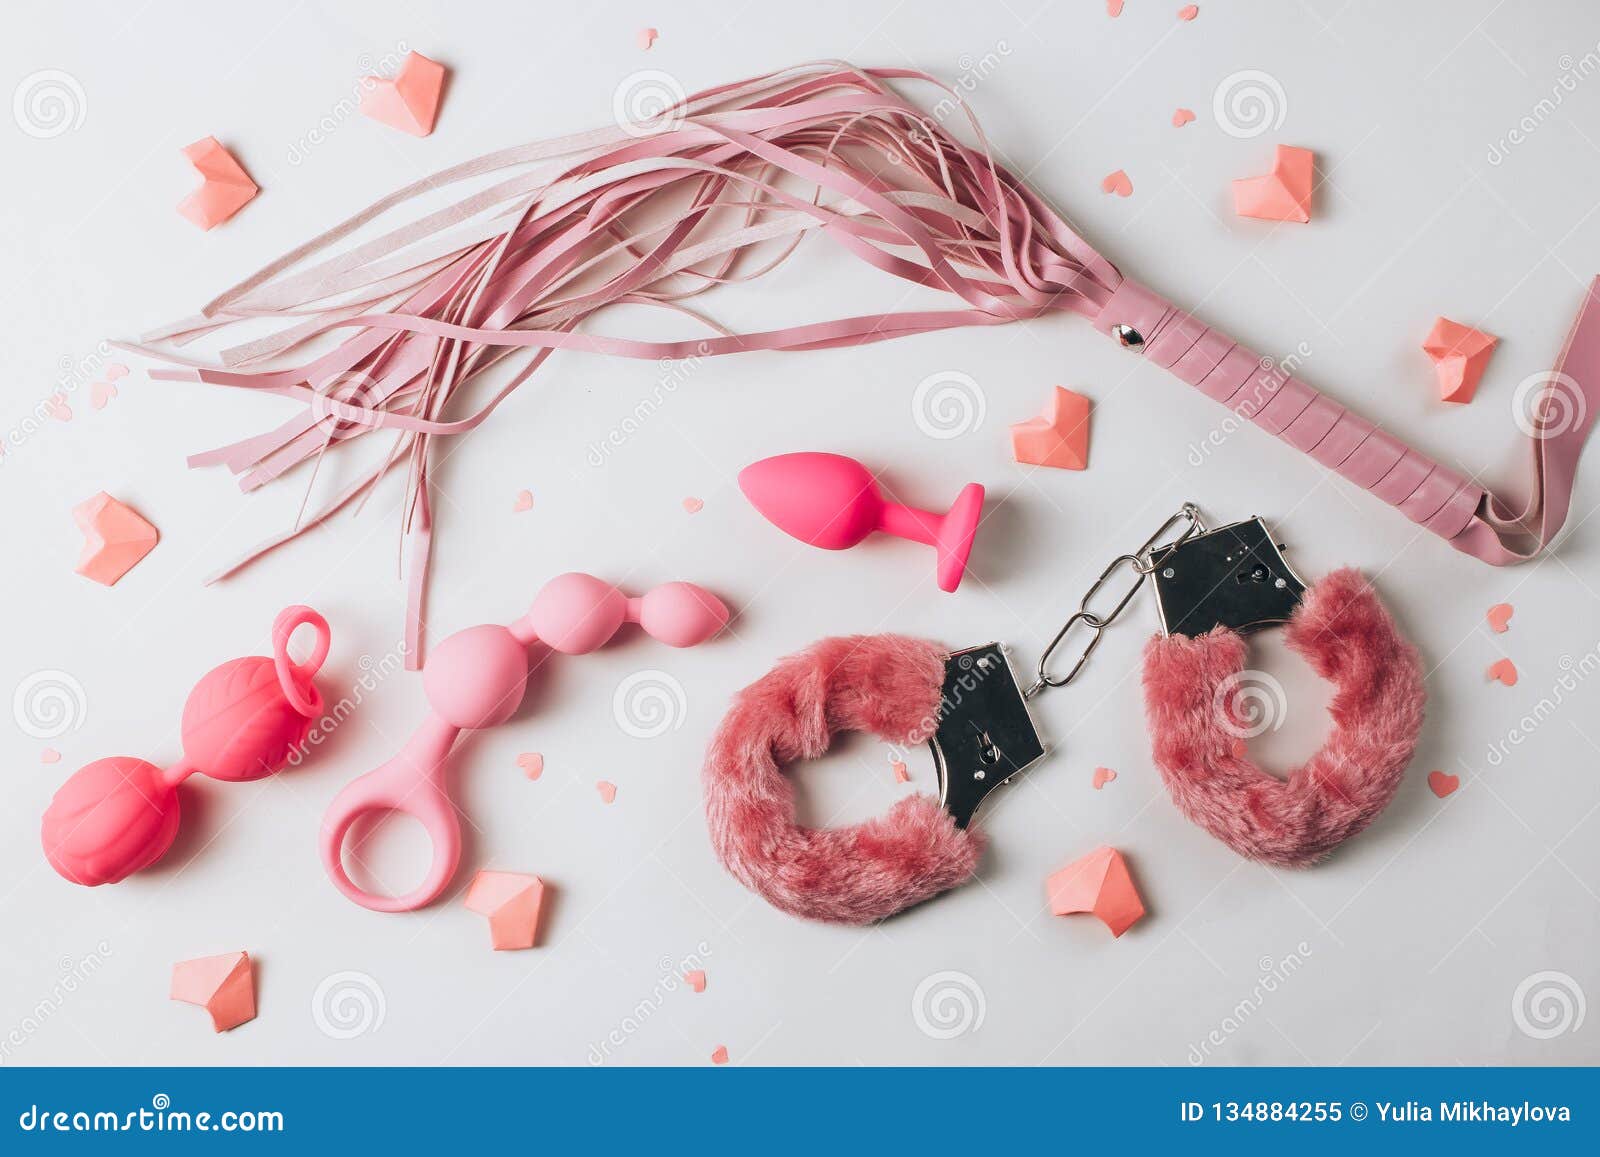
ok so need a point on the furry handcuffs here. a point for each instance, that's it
(1201, 705)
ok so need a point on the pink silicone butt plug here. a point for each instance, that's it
(242, 721)
(475, 679)
(834, 502)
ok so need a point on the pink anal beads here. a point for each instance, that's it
(834, 502)
(476, 679)
(242, 721)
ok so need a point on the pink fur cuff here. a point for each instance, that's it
(1192, 702)
(888, 685)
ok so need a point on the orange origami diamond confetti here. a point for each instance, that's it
(1281, 195)
(114, 538)
(225, 986)
(1099, 884)
(409, 102)
(1058, 437)
(224, 190)
(1459, 355)
(511, 901)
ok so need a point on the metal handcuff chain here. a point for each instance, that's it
(1139, 563)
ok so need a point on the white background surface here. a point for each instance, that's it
(1411, 943)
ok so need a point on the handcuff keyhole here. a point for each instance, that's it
(1256, 574)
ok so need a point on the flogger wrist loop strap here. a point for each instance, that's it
(720, 188)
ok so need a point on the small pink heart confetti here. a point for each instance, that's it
(693, 505)
(719, 1055)
(116, 370)
(647, 37)
(49, 755)
(696, 979)
(1113, 8)
(1188, 12)
(1103, 776)
(1117, 183)
(607, 790)
(1182, 117)
(101, 393)
(532, 764)
(1505, 671)
(58, 408)
(1499, 616)
(1443, 784)
(901, 775)
(524, 501)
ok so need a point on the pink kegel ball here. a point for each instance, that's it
(237, 723)
(112, 818)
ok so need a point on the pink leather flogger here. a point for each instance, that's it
(719, 188)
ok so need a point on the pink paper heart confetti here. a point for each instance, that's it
(116, 370)
(1188, 12)
(719, 1055)
(1499, 617)
(58, 408)
(532, 764)
(693, 505)
(1181, 117)
(1103, 776)
(696, 979)
(1442, 784)
(1117, 183)
(901, 775)
(101, 393)
(607, 790)
(1113, 8)
(49, 755)
(523, 501)
(1505, 671)
(647, 37)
